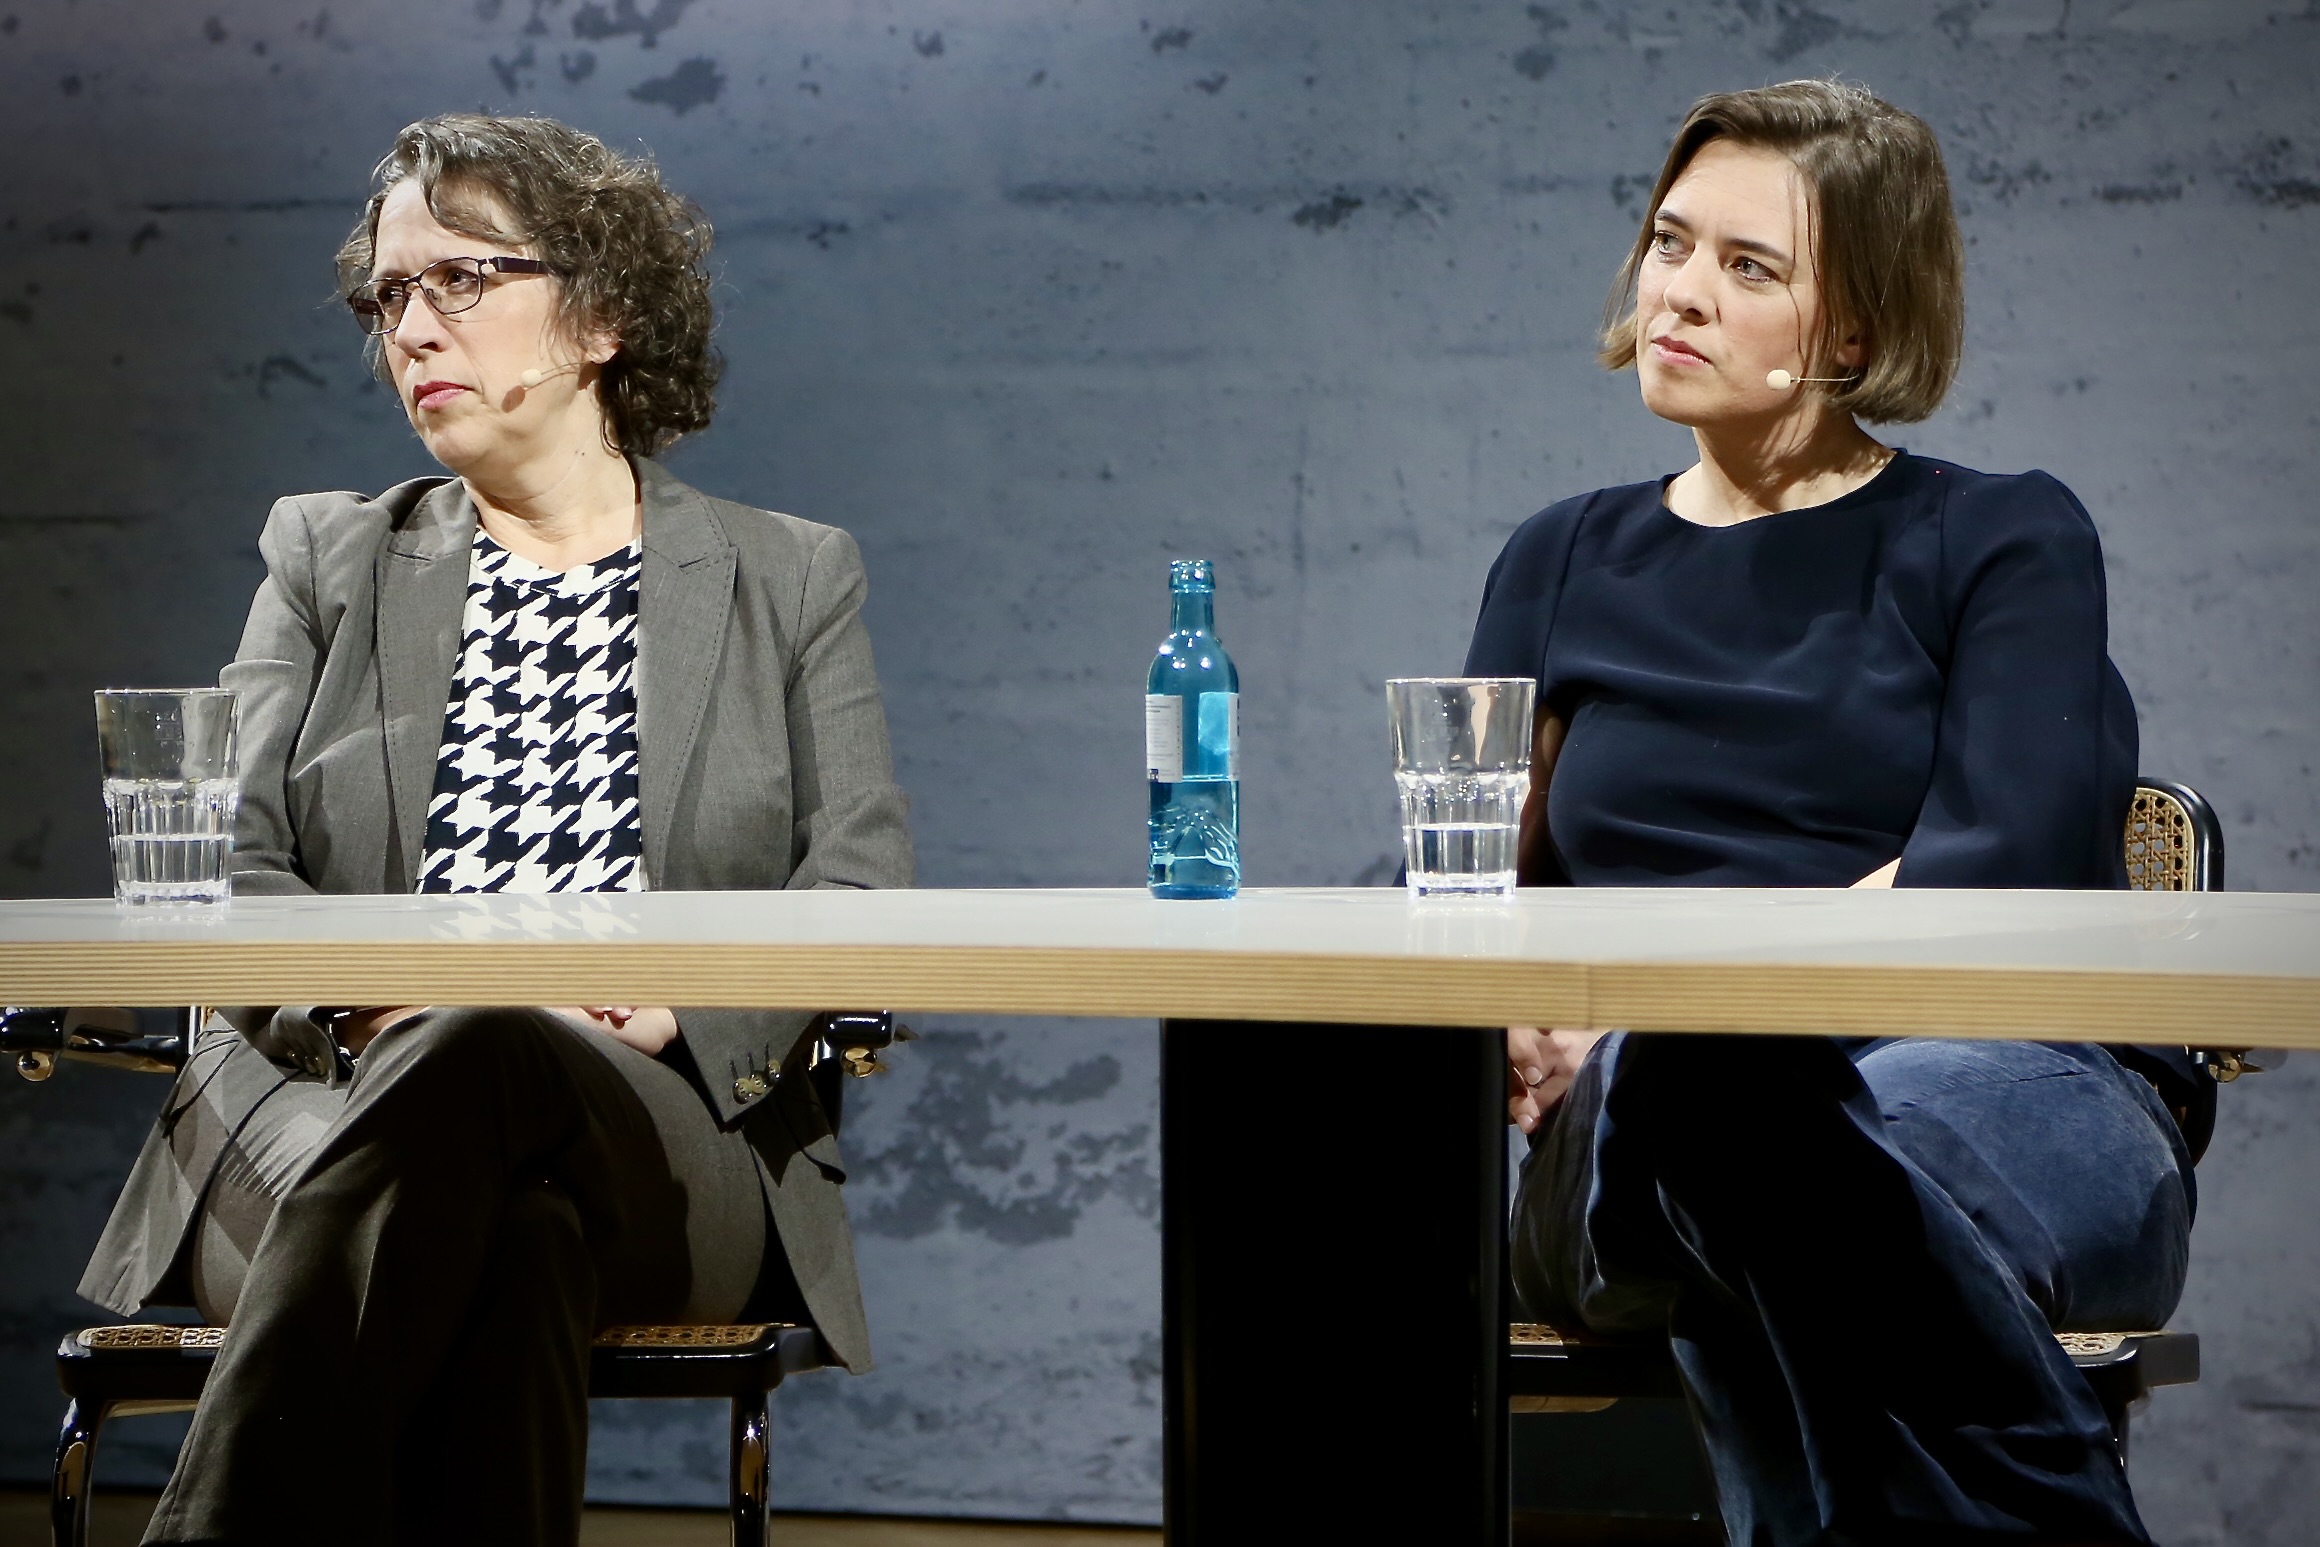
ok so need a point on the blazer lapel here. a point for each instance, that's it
(422, 592)
(684, 607)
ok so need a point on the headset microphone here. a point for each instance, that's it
(535, 375)
(1778, 381)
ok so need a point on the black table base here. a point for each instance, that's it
(1334, 1216)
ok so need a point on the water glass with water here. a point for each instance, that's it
(1462, 762)
(171, 790)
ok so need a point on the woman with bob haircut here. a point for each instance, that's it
(1811, 659)
(557, 669)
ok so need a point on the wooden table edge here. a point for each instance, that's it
(1824, 998)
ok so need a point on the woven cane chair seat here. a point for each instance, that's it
(149, 1368)
(725, 1336)
(1558, 1370)
(102, 1340)
(147, 1335)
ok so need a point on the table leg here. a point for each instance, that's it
(1333, 1226)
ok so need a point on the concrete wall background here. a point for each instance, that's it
(1032, 295)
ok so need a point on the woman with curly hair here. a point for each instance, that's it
(558, 669)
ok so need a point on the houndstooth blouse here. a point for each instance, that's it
(536, 782)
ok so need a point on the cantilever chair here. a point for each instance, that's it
(122, 1371)
(2173, 844)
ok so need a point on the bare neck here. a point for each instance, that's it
(1752, 470)
(572, 507)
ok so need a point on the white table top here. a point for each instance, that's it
(2216, 968)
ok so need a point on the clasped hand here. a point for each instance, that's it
(1540, 1065)
(647, 1028)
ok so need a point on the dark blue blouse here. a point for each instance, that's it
(1916, 670)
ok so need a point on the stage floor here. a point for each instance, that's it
(120, 1520)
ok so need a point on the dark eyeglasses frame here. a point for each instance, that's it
(370, 312)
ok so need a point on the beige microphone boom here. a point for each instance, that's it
(1781, 381)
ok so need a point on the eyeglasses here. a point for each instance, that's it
(451, 285)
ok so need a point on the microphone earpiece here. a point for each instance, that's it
(1781, 381)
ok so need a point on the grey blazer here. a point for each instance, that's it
(762, 763)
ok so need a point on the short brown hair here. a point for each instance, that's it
(1884, 240)
(631, 257)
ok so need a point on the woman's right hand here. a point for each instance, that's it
(1540, 1065)
(647, 1029)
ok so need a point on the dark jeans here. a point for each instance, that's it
(1860, 1257)
(429, 1252)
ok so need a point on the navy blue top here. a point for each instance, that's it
(1917, 669)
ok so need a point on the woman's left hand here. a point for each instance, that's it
(357, 1028)
(647, 1028)
(1540, 1066)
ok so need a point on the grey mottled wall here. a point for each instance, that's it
(1034, 294)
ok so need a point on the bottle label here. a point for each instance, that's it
(1163, 737)
(1219, 735)
(1215, 750)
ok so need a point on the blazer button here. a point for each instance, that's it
(749, 1087)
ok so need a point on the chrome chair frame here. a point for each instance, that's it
(2173, 842)
(124, 1371)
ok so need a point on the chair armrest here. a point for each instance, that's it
(93, 1035)
(855, 1038)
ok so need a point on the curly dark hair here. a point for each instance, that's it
(631, 256)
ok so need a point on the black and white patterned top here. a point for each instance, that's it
(535, 787)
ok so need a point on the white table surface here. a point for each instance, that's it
(2219, 968)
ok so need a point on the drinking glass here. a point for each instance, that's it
(1462, 762)
(171, 790)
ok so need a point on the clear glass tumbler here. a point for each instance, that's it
(172, 787)
(1462, 762)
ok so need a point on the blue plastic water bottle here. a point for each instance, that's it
(1192, 746)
